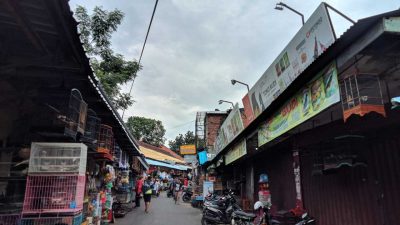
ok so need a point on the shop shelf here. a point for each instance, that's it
(54, 194)
(42, 220)
(58, 158)
(10, 219)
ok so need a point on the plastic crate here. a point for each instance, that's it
(59, 220)
(54, 194)
(10, 219)
(58, 158)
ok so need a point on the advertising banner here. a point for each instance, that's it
(318, 95)
(208, 188)
(310, 41)
(187, 149)
(229, 129)
(248, 111)
(238, 151)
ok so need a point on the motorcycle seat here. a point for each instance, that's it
(244, 214)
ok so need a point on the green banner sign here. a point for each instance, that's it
(238, 151)
(318, 95)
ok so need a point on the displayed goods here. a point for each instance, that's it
(54, 194)
(58, 158)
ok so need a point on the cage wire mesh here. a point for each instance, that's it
(58, 158)
(10, 219)
(59, 220)
(105, 143)
(76, 116)
(92, 128)
(54, 194)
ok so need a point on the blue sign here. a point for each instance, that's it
(202, 157)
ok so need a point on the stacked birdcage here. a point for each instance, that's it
(55, 184)
(105, 142)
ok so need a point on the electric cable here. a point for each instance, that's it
(141, 53)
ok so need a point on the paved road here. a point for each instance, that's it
(163, 211)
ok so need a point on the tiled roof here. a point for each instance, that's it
(159, 152)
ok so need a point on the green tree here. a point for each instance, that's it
(147, 130)
(181, 139)
(112, 69)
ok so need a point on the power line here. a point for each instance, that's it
(183, 124)
(141, 54)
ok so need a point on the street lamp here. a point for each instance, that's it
(222, 101)
(236, 81)
(281, 5)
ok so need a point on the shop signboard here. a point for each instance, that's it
(317, 95)
(208, 187)
(229, 129)
(187, 149)
(314, 37)
(190, 159)
(202, 157)
(236, 152)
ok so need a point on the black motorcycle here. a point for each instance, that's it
(219, 211)
(306, 220)
(187, 195)
(170, 193)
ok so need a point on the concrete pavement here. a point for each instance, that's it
(163, 211)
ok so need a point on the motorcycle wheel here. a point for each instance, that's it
(204, 221)
(186, 198)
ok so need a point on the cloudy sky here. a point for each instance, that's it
(196, 47)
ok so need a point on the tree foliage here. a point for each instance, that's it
(186, 139)
(111, 68)
(147, 130)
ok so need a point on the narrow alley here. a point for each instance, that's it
(163, 211)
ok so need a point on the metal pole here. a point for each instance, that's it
(293, 10)
(340, 13)
(248, 89)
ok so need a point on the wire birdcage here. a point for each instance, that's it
(58, 158)
(62, 220)
(10, 219)
(105, 140)
(92, 128)
(76, 115)
(54, 194)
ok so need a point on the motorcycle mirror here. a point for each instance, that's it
(395, 102)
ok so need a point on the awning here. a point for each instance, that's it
(143, 162)
(157, 163)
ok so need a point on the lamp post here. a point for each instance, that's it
(222, 101)
(281, 5)
(233, 81)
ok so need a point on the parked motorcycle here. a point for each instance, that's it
(241, 218)
(306, 220)
(219, 211)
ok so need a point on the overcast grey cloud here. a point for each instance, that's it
(196, 46)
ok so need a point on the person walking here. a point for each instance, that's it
(156, 188)
(178, 189)
(138, 190)
(147, 192)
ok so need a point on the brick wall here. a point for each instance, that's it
(213, 123)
